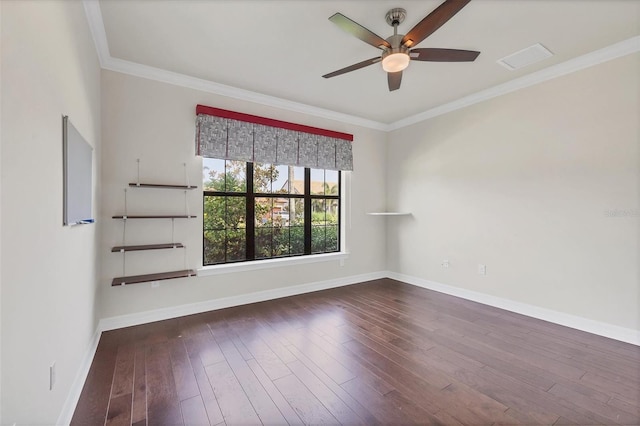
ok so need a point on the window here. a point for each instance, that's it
(261, 211)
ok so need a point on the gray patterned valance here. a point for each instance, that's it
(235, 136)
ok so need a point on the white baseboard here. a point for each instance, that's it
(121, 321)
(591, 326)
(78, 382)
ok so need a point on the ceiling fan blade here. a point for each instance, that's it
(433, 21)
(358, 31)
(443, 55)
(354, 67)
(394, 79)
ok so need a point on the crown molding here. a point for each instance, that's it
(596, 57)
(96, 25)
(177, 79)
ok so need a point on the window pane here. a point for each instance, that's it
(296, 212)
(213, 174)
(236, 245)
(235, 216)
(331, 182)
(297, 239)
(317, 239)
(290, 180)
(297, 180)
(264, 242)
(288, 211)
(236, 176)
(332, 210)
(318, 215)
(331, 243)
(317, 182)
(269, 178)
(280, 211)
(214, 247)
(281, 241)
(214, 212)
(264, 212)
(281, 179)
(263, 177)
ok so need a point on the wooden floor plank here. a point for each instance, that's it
(234, 403)
(206, 392)
(262, 403)
(608, 413)
(193, 412)
(388, 409)
(119, 413)
(261, 352)
(341, 411)
(347, 359)
(123, 375)
(139, 408)
(352, 403)
(380, 352)
(621, 391)
(289, 413)
(163, 405)
(306, 405)
(185, 380)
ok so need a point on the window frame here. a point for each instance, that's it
(250, 197)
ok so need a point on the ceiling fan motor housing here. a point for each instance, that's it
(395, 16)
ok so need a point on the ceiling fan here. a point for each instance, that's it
(397, 50)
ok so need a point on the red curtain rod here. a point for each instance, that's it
(217, 112)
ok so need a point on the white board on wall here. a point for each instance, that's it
(78, 169)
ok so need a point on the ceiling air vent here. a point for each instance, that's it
(525, 57)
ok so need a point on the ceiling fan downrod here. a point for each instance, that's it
(394, 18)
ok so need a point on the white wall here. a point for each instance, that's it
(48, 272)
(0, 223)
(156, 122)
(525, 184)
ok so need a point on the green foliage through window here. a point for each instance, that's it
(261, 211)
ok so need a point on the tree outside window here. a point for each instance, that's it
(260, 211)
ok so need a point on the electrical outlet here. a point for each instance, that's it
(482, 269)
(341, 262)
(155, 284)
(445, 263)
(52, 375)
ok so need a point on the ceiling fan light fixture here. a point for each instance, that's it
(395, 62)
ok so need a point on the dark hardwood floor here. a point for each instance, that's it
(380, 352)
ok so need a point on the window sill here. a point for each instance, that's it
(270, 263)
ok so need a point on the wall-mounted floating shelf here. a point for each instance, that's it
(147, 247)
(154, 216)
(136, 279)
(160, 186)
(389, 214)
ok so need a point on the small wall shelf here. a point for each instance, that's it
(161, 186)
(125, 217)
(389, 214)
(136, 279)
(147, 247)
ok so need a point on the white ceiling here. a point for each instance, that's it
(282, 48)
